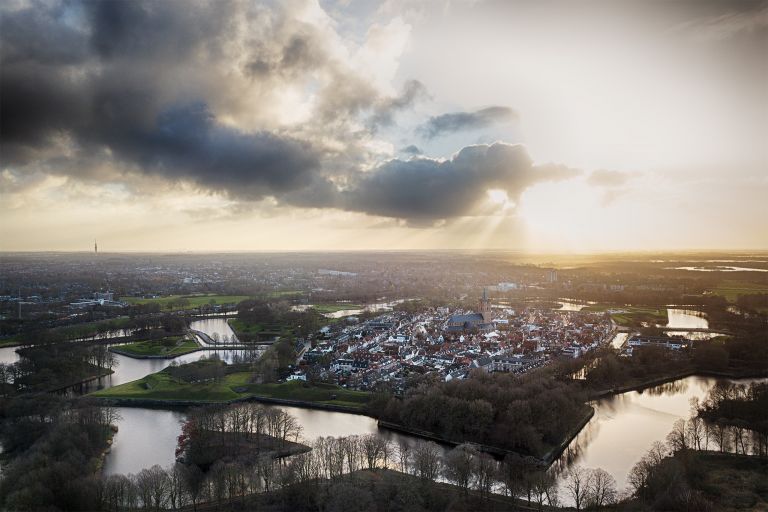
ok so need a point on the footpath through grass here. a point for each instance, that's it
(170, 346)
(163, 386)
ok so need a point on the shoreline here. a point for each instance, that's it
(156, 403)
(545, 460)
(81, 382)
(174, 356)
(640, 386)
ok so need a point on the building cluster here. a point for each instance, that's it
(395, 346)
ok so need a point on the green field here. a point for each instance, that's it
(194, 301)
(170, 346)
(163, 386)
(241, 327)
(318, 393)
(732, 289)
(334, 307)
(284, 293)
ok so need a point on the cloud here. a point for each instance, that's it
(606, 178)
(459, 121)
(613, 184)
(728, 20)
(411, 150)
(413, 90)
(156, 94)
(167, 89)
(423, 191)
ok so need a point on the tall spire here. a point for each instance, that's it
(95, 247)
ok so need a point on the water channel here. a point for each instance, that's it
(376, 307)
(689, 319)
(623, 427)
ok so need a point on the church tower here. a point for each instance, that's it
(485, 307)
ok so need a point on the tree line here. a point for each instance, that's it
(527, 414)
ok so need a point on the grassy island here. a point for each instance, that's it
(211, 382)
(168, 347)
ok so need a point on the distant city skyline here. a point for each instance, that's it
(544, 127)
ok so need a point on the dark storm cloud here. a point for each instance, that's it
(187, 143)
(423, 191)
(458, 121)
(143, 89)
(39, 35)
(170, 29)
(125, 106)
(411, 150)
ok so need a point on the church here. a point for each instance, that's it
(481, 321)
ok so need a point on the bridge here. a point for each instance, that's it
(210, 343)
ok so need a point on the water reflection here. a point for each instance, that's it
(145, 437)
(8, 355)
(571, 306)
(624, 426)
(216, 328)
(686, 319)
(128, 369)
(148, 436)
(619, 340)
(689, 319)
(721, 268)
(376, 307)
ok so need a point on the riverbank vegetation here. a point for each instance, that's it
(738, 415)
(739, 356)
(677, 477)
(170, 346)
(54, 366)
(68, 332)
(53, 450)
(237, 434)
(115, 328)
(258, 320)
(529, 414)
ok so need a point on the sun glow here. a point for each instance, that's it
(564, 214)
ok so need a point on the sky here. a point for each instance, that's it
(541, 126)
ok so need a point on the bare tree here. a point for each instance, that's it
(374, 448)
(153, 486)
(486, 473)
(544, 487)
(678, 437)
(578, 485)
(426, 460)
(404, 453)
(177, 492)
(695, 432)
(459, 465)
(602, 490)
